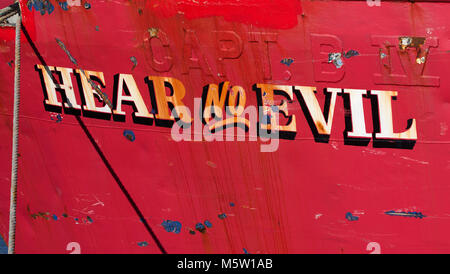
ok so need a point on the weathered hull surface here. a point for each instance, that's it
(83, 184)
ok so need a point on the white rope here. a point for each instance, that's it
(15, 143)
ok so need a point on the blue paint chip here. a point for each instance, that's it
(245, 251)
(64, 5)
(55, 217)
(129, 134)
(89, 219)
(222, 216)
(41, 6)
(38, 5)
(200, 227)
(143, 244)
(231, 204)
(172, 226)
(351, 53)
(287, 61)
(208, 224)
(58, 118)
(50, 8)
(3, 246)
(134, 61)
(350, 217)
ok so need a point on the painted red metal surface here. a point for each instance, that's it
(293, 200)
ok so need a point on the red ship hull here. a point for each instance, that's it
(83, 186)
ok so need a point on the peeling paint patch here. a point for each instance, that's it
(335, 58)
(64, 5)
(143, 244)
(129, 134)
(40, 214)
(200, 227)
(3, 246)
(350, 53)
(405, 214)
(420, 60)
(350, 217)
(287, 61)
(208, 224)
(57, 117)
(407, 41)
(41, 6)
(134, 61)
(172, 226)
(153, 32)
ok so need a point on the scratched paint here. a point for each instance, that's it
(405, 214)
